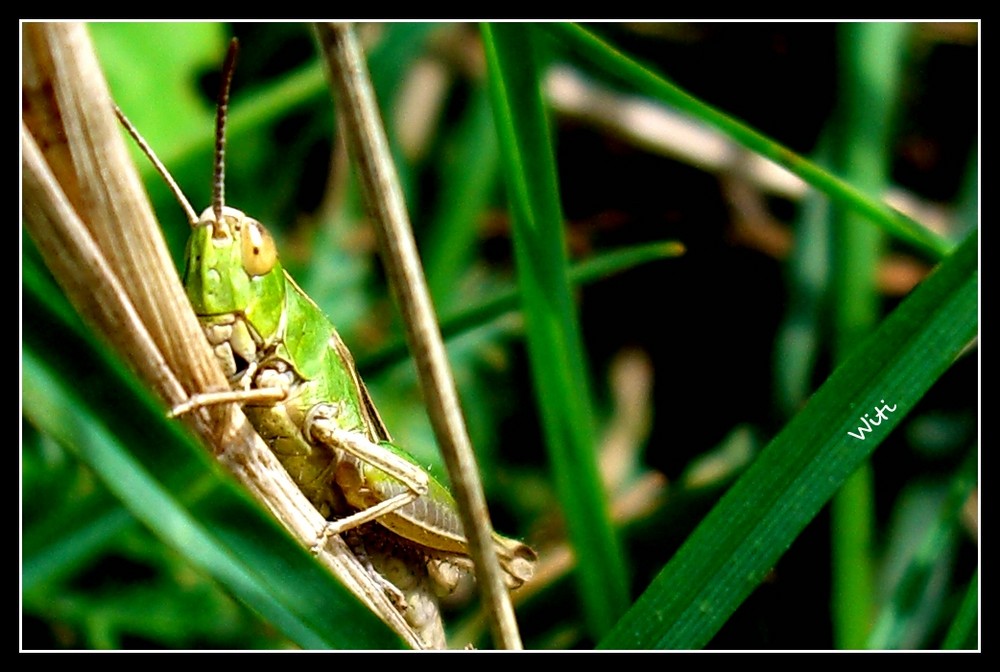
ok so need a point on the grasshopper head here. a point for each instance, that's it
(232, 268)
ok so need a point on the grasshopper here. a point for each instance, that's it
(297, 384)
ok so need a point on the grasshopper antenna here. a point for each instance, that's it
(219, 187)
(160, 168)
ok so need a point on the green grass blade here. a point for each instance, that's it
(911, 610)
(553, 336)
(743, 536)
(963, 633)
(799, 339)
(606, 58)
(468, 179)
(86, 403)
(69, 535)
(871, 62)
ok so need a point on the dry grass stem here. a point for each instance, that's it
(86, 209)
(369, 147)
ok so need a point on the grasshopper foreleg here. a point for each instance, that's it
(271, 384)
(203, 399)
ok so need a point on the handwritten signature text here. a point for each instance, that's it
(868, 421)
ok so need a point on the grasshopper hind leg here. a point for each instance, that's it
(354, 447)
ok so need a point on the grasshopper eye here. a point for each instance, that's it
(259, 253)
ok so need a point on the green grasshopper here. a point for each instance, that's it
(298, 386)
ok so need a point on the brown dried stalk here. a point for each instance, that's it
(81, 192)
(366, 138)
